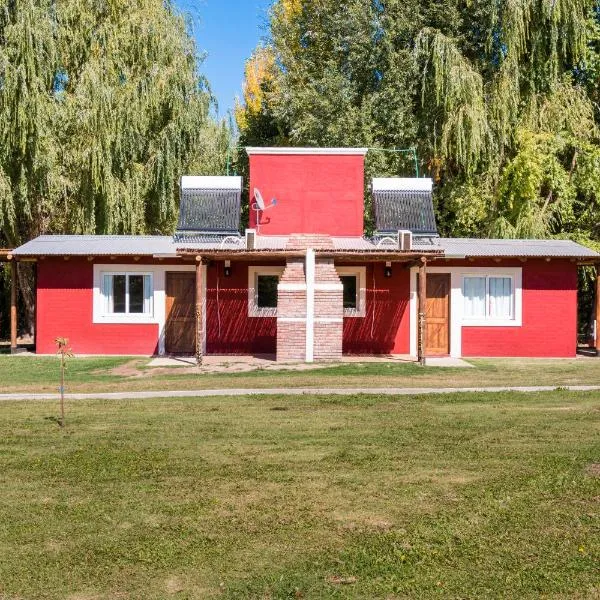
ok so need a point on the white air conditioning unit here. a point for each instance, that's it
(405, 240)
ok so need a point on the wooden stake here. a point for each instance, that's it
(13, 306)
(597, 341)
(199, 311)
(422, 322)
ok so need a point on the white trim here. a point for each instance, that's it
(212, 182)
(310, 305)
(291, 287)
(318, 151)
(329, 320)
(457, 321)
(391, 184)
(107, 316)
(253, 273)
(361, 289)
(159, 296)
(329, 287)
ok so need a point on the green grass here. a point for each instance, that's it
(461, 496)
(41, 373)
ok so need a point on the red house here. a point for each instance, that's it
(303, 282)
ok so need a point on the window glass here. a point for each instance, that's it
(266, 291)
(119, 293)
(350, 297)
(136, 294)
(474, 296)
(500, 302)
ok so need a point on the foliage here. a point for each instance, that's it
(101, 110)
(498, 97)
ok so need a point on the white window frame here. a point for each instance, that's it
(361, 290)
(106, 312)
(253, 272)
(487, 320)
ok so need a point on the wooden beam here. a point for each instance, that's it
(199, 311)
(422, 322)
(13, 306)
(597, 341)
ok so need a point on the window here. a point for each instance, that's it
(350, 287)
(488, 297)
(354, 282)
(262, 291)
(127, 293)
(266, 291)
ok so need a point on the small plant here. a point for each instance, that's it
(64, 351)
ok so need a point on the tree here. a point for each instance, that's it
(498, 97)
(102, 108)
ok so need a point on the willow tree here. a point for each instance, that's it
(497, 96)
(102, 108)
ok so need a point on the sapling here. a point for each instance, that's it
(64, 351)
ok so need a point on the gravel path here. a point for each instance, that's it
(288, 392)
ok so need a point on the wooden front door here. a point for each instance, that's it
(437, 314)
(180, 321)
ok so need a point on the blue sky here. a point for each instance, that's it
(228, 31)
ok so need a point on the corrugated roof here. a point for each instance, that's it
(147, 245)
(97, 245)
(518, 248)
(115, 245)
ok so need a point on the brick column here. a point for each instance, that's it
(291, 312)
(329, 311)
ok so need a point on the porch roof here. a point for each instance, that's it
(494, 248)
(156, 245)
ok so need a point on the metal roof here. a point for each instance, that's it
(475, 247)
(148, 245)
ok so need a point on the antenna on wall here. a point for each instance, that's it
(259, 206)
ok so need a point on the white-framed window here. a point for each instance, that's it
(262, 291)
(488, 298)
(355, 290)
(126, 294)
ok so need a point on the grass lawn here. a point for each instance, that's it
(461, 496)
(33, 373)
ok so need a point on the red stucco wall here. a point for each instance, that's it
(229, 329)
(385, 329)
(65, 301)
(64, 308)
(549, 316)
(315, 193)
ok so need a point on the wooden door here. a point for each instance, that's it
(437, 314)
(180, 322)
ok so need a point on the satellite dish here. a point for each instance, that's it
(260, 203)
(259, 206)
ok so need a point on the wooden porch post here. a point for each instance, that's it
(13, 305)
(422, 324)
(597, 341)
(199, 311)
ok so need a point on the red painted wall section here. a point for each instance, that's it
(64, 308)
(315, 193)
(386, 327)
(549, 316)
(229, 328)
(65, 302)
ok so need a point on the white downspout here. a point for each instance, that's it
(310, 304)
